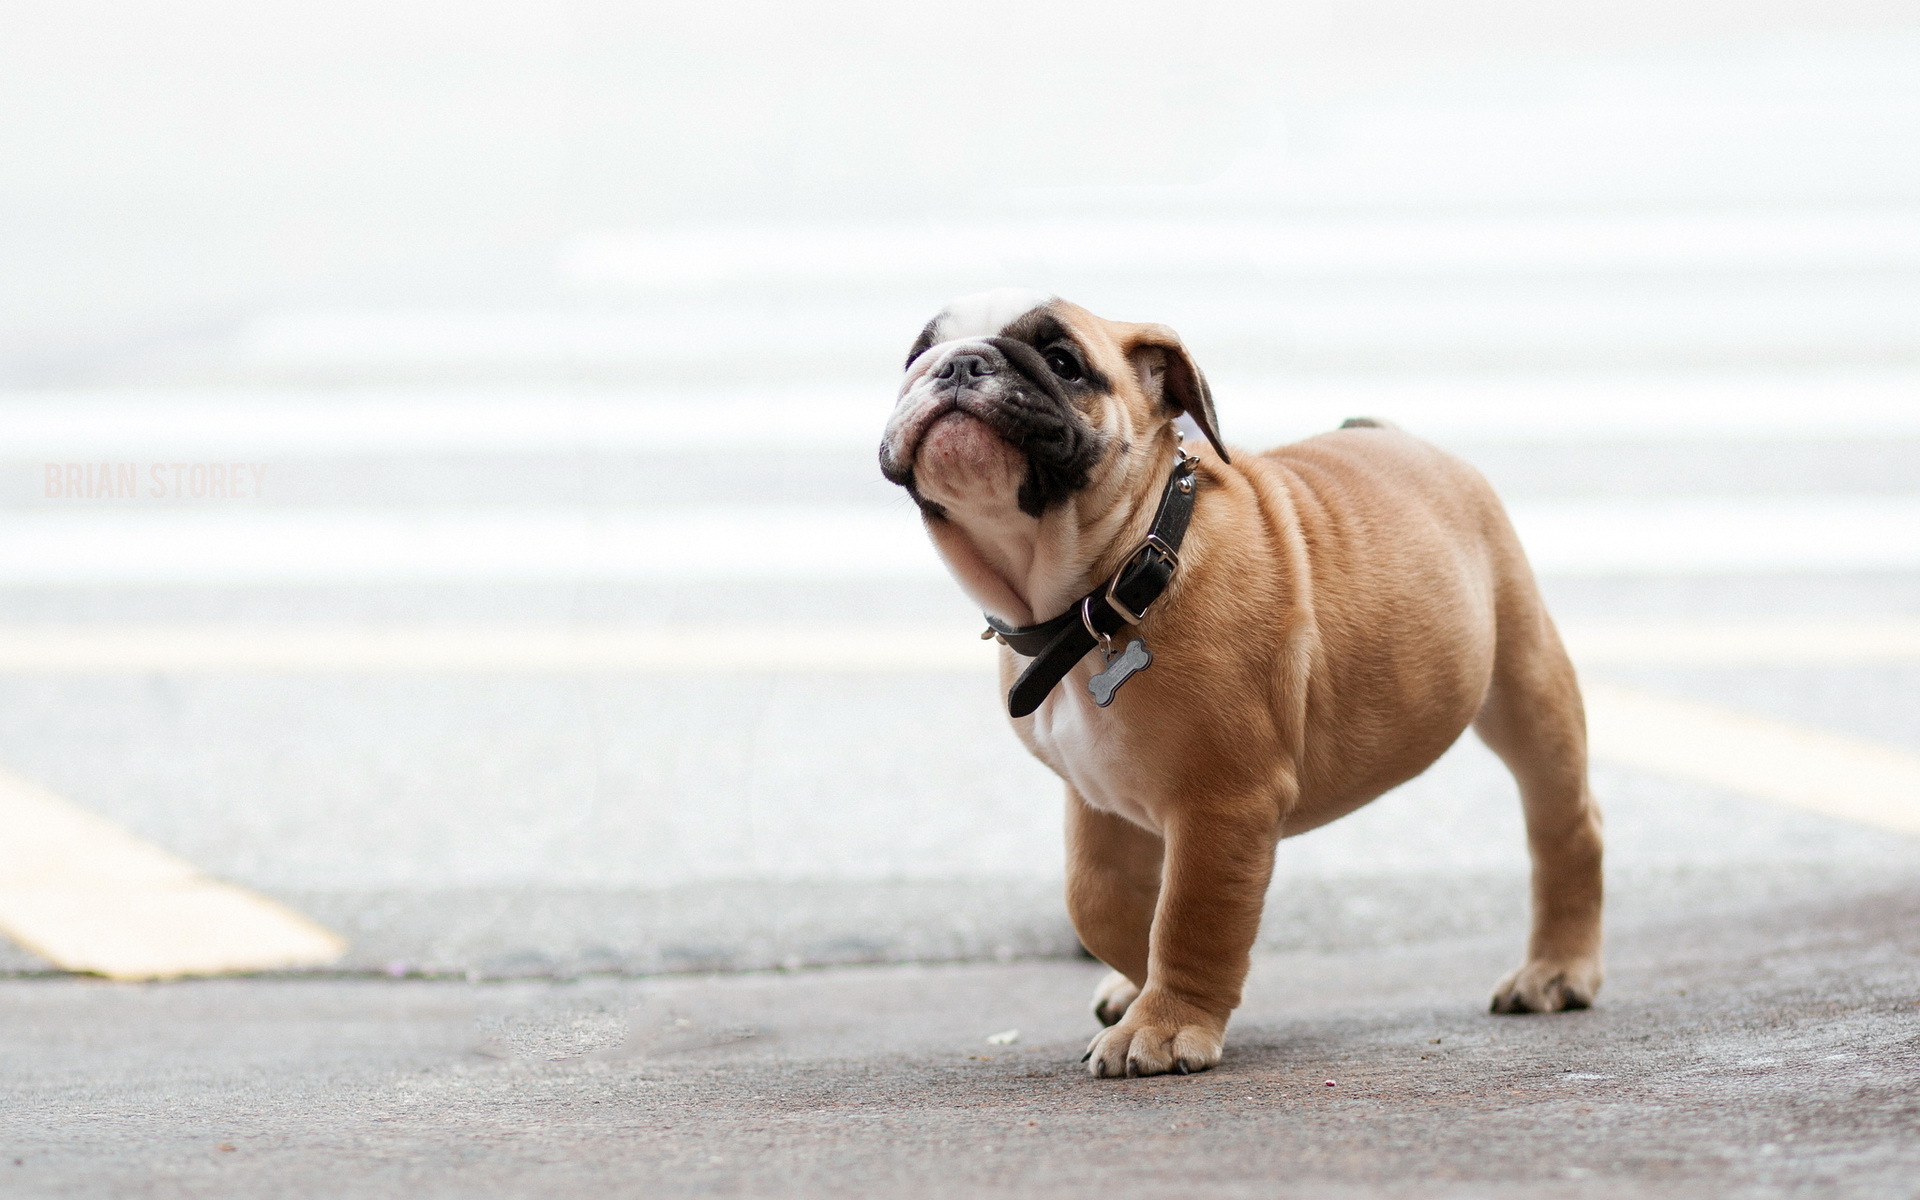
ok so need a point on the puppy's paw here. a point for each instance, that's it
(1545, 985)
(1113, 997)
(1158, 1035)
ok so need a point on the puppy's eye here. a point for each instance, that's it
(1063, 364)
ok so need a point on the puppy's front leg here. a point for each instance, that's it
(1219, 859)
(1113, 884)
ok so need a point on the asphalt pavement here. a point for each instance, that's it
(1768, 1051)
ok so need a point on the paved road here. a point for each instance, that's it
(1769, 1051)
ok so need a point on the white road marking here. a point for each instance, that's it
(89, 896)
(1826, 773)
(1393, 247)
(250, 546)
(239, 545)
(201, 425)
(1520, 407)
(281, 425)
(1715, 535)
(1605, 322)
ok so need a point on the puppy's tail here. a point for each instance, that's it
(1367, 423)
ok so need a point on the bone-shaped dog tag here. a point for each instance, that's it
(1120, 668)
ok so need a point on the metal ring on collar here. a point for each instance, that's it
(1104, 641)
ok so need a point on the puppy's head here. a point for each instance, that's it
(1014, 398)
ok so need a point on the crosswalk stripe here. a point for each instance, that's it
(240, 547)
(290, 425)
(89, 896)
(1710, 535)
(244, 546)
(1158, 248)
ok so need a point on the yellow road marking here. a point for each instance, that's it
(483, 648)
(1822, 772)
(1758, 642)
(89, 896)
(797, 647)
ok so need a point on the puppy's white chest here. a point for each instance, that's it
(1086, 745)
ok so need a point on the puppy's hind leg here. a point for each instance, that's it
(1534, 721)
(1113, 884)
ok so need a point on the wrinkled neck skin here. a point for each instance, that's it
(1023, 569)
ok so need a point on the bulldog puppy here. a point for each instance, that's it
(1335, 613)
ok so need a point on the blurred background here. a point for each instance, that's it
(437, 481)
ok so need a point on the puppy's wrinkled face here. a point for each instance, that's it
(1014, 396)
(1000, 397)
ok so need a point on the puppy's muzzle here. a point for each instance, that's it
(976, 380)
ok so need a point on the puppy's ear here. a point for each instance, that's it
(923, 343)
(1168, 375)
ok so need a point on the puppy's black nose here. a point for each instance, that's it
(962, 367)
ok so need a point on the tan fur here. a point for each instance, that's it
(1345, 608)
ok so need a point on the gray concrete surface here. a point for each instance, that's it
(1770, 1049)
(559, 825)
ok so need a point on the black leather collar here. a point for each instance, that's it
(1120, 601)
